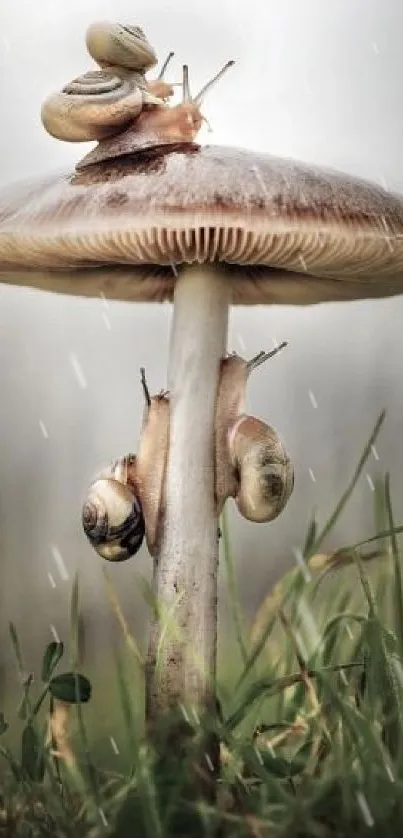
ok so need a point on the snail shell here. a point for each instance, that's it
(265, 475)
(96, 105)
(112, 515)
(113, 44)
(252, 465)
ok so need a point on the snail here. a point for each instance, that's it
(112, 516)
(118, 46)
(95, 105)
(251, 462)
(162, 126)
(117, 100)
(115, 44)
(125, 502)
(103, 102)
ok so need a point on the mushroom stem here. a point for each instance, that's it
(182, 652)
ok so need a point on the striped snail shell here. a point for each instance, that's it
(112, 515)
(115, 44)
(96, 105)
(264, 473)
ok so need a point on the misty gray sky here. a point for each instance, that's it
(316, 81)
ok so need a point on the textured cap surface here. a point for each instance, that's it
(287, 232)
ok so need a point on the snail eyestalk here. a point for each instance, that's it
(200, 96)
(145, 387)
(262, 356)
(186, 97)
(164, 66)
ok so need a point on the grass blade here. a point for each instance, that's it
(397, 588)
(350, 488)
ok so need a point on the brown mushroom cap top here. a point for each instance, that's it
(287, 232)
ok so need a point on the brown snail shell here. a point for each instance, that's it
(94, 106)
(116, 44)
(265, 476)
(112, 515)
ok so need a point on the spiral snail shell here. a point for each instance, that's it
(264, 473)
(96, 105)
(115, 44)
(112, 514)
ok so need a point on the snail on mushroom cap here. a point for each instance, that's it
(100, 103)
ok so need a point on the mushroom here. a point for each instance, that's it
(151, 215)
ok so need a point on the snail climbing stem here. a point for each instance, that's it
(181, 669)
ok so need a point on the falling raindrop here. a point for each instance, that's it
(259, 756)
(44, 429)
(54, 633)
(257, 172)
(313, 400)
(103, 817)
(64, 575)
(209, 762)
(51, 580)
(106, 321)
(370, 482)
(349, 632)
(311, 631)
(311, 475)
(78, 371)
(366, 812)
(375, 453)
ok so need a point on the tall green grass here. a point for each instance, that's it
(310, 723)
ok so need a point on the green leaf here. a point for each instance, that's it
(32, 756)
(53, 653)
(70, 687)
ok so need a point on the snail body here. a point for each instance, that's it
(112, 515)
(94, 106)
(252, 465)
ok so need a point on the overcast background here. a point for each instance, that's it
(317, 81)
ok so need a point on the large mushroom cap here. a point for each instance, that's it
(287, 232)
